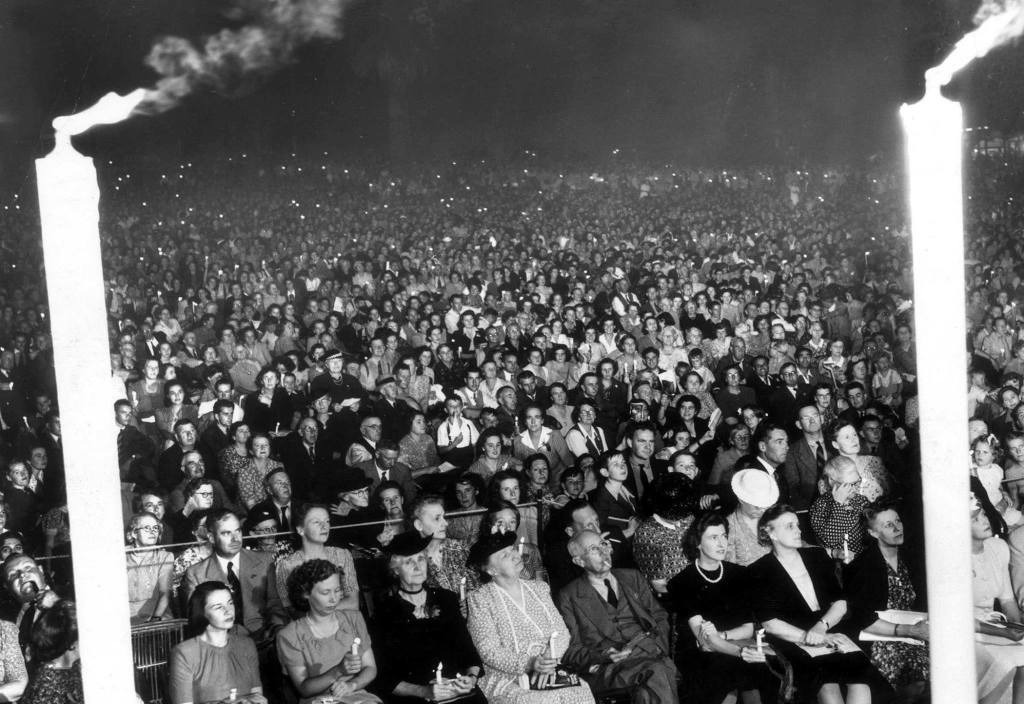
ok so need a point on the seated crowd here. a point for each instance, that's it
(664, 467)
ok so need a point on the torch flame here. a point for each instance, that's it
(109, 109)
(998, 23)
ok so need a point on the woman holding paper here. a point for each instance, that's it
(880, 579)
(800, 603)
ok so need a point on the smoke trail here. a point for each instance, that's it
(233, 60)
(998, 22)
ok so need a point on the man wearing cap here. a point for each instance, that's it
(339, 384)
(385, 467)
(394, 413)
(619, 632)
(353, 506)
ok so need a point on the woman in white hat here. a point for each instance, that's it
(755, 491)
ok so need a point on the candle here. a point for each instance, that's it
(846, 547)
(277, 428)
(551, 644)
(355, 645)
(760, 641)
(437, 674)
(462, 589)
(522, 544)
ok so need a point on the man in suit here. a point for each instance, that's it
(278, 487)
(31, 592)
(214, 437)
(135, 451)
(249, 574)
(619, 632)
(576, 516)
(641, 449)
(386, 467)
(761, 382)
(805, 462)
(394, 413)
(306, 456)
(772, 444)
(737, 357)
(787, 399)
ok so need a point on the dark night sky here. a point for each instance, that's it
(704, 80)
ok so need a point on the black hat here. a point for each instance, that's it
(482, 549)
(385, 380)
(407, 544)
(333, 354)
(258, 514)
(352, 482)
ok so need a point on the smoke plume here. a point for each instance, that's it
(234, 60)
(998, 22)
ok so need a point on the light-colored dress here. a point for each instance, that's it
(743, 548)
(149, 575)
(508, 636)
(875, 481)
(201, 672)
(336, 556)
(991, 580)
(250, 481)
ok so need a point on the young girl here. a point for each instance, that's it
(886, 382)
(990, 474)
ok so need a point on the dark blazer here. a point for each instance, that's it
(260, 599)
(268, 505)
(610, 508)
(395, 419)
(783, 407)
(307, 474)
(400, 473)
(776, 596)
(591, 629)
(801, 472)
(867, 587)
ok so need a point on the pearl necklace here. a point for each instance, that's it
(721, 573)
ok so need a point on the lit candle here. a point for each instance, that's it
(355, 645)
(437, 674)
(846, 547)
(522, 544)
(760, 641)
(462, 589)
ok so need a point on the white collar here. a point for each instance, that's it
(662, 521)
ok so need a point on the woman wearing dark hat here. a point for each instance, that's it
(267, 409)
(417, 628)
(516, 628)
(261, 526)
(353, 507)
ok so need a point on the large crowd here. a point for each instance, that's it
(517, 434)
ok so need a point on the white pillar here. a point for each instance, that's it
(934, 133)
(69, 216)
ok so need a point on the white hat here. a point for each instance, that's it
(618, 274)
(756, 487)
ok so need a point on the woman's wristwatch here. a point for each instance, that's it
(827, 624)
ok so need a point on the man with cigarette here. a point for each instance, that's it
(619, 632)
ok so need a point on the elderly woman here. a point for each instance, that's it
(714, 651)
(150, 571)
(416, 627)
(584, 437)
(215, 662)
(883, 578)
(235, 456)
(446, 557)
(327, 653)
(755, 492)
(504, 517)
(267, 409)
(836, 514)
(313, 524)
(800, 604)
(658, 543)
(516, 629)
(875, 481)
(251, 474)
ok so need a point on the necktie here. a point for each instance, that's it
(312, 454)
(236, 593)
(384, 475)
(613, 600)
(819, 457)
(285, 525)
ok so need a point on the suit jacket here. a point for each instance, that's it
(591, 629)
(260, 600)
(400, 473)
(612, 511)
(307, 474)
(801, 472)
(395, 419)
(783, 406)
(636, 486)
(269, 505)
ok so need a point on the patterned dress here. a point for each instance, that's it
(900, 663)
(452, 568)
(743, 546)
(51, 685)
(875, 481)
(509, 635)
(250, 481)
(336, 556)
(658, 549)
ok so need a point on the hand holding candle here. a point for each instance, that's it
(846, 547)
(437, 673)
(462, 589)
(355, 645)
(760, 641)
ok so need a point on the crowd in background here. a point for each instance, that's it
(616, 380)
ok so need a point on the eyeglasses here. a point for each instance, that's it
(149, 529)
(599, 548)
(205, 494)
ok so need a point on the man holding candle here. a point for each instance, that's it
(619, 633)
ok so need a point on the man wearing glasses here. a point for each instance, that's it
(193, 466)
(619, 632)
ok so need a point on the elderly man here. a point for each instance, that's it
(619, 632)
(385, 467)
(365, 446)
(168, 472)
(193, 466)
(395, 414)
(306, 455)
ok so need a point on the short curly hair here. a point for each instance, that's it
(302, 580)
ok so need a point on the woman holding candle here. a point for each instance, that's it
(717, 652)
(516, 629)
(416, 627)
(215, 660)
(267, 409)
(800, 603)
(327, 652)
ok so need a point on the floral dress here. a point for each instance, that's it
(509, 635)
(250, 481)
(743, 547)
(900, 663)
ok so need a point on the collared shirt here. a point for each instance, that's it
(236, 561)
(448, 430)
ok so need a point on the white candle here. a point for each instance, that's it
(846, 547)
(522, 544)
(760, 641)
(934, 133)
(69, 218)
(462, 589)
(355, 645)
(551, 644)
(437, 674)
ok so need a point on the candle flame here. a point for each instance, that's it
(998, 22)
(109, 109)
